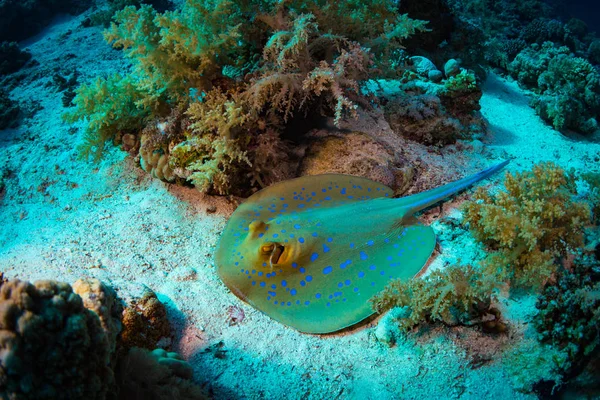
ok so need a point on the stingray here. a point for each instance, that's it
(310, 252)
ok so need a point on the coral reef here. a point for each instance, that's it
(357, 154)
(241, 81)
(569, 315)
(528, 226)
(9, 110)
(59, 342)
(145, 323)
(22, 19)
(12, 58)
(455, 295)
(102, 300)
(568, 86)
(156, 375)
(52, 346)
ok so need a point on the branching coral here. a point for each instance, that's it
(455, 295)
(529, 225)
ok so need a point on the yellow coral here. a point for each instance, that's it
(454, 295)
(530, 224)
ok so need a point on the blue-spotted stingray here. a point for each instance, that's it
(310, 252)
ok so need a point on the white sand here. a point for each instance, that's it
(65, 219)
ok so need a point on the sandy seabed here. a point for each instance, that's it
(64, 219)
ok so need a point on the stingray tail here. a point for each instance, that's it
(423, 200)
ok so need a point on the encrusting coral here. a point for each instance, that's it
(145, 323)
(59, 342)
(51, 346)
(529, 225)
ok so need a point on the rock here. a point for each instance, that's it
(358, 154)
(435, 75)
(451, 68)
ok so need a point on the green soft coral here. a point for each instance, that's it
(529, 225)
(109, 107)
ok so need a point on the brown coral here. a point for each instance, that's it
(156, 375)
(145, 323)
(51, 346)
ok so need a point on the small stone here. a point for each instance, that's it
(211, 209)
(477, 146)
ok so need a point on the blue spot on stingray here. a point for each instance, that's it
(351, 245)
(261, 235)
(328, 304)
(330, 240)
(237, 263)
(363, 255)
(294, 265)
(347, 282)
(308, 278)
(382, 273)
(327, 269)
(372, 267)
(325, 248)
(314, 234)
(370, 243)
(300, 205)
(302, 270)
(264, 264)
(318, 295)
(343, 191)
(313, 257)
(313, 194)
(296, 226)
(273, 294)
(301, 240)
(327, 198)
(323, 190)
(275, 235)
(340, 285)
(293, 292)
(253, 283)
(260, 274)
(356, 289)
(361, 274)
(262, 284)
(283, 283)
(284, 205)
(289, 303)
(302, 283)
(273, 286)
(306, 302)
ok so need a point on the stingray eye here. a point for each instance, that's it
(267, 248)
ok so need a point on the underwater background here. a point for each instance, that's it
(133, 132)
